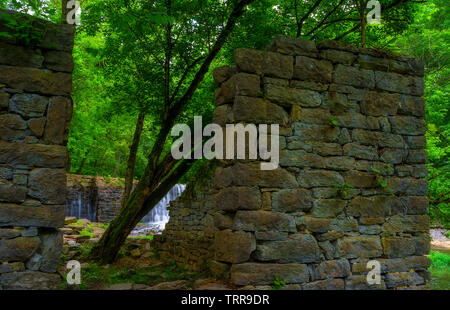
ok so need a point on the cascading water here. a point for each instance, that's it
(82, 203)
(157, 219)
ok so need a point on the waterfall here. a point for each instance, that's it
(159, 216)
(83, 203)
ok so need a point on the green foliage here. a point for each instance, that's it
(333, 121)
(278, 284)
(439, 261)
(21, 30)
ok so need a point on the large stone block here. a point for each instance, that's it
(13, 193)
(4, 99)
(407, 223)
(57, 116)
(336, 56)
(48, 185)
(353, 76)
(233, 247)
(328, 208)
(359, 282)
(58, 61)
(30, 280)
(415, 204)
(238, 198)
(240, 84)
(312, 69)
(376, 138)
(291, 200)
(321, 133)
(332, 269)
(403, 84)
(380, 104)
(329, 284)
(41, 216)
(361, 179)
(300, 158)
(37, 155)
(258, 111)
(50, 250)
(221, 74)
(411, 105)
(397, 279)
(35, 80)
(359, 246)
(18, 249)
(408, 125)
(298, 248)
(20, 56)
(319, 178)
(260, 274)
(360, 151)
(292, 46)
(398, 246)
(28, 105)
(371, 207)
(288, 97)
(252, 175)
(263, 221)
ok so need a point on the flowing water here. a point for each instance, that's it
(82, 204)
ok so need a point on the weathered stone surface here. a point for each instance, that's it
(380, 104)
(360, 151)
(319, 178)
(252, 175)
(58, 61)
(328, 208)
(332, 269)
(417, 157)
(412, 67)
(29, 232)
(415, 142)
(42, 216)
(375, 138)
(238, 198)
(292, 46)
(336, 56)
(292, 96)
(312, 116)
(263, 221)
(12, 267)
(407, 186)
(28, 105)
(219, 270)
(4, 99)
(361, 179)
(276, 65)
(371, 207)
(339, 163)
(359, 282)
(240, 84)
(259, 274)
(13, 193)
(37, 126)
(415, 204)
(407, 223)
(393, 156)
(18, 249)
(50, 249)
(30, 280)
(300, 158)
(57, 115)
(258, 111)
(291, 200)
(393, 265)
(312, 70)
(354, 77)
(48, 185)
(233, 247)
(403, 84)
(8, 233)
(329, 284)
(248, 60)
(35, 80)
(15, 55)
(221, 74)
(38, 155)
(399, 247)
(408, 125)
(308, 85)
(410, 105)
(370, 229)
(12, 127)
(359, 246)
(298, 248)
(321, 133)
(397, 279)
(271, 235)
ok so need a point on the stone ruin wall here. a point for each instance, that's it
(35, 112)
(350, 119)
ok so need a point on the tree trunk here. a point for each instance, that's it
(159, 178)
(64, 11)
(131, 163)
(83, 161)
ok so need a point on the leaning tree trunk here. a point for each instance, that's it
(159, 178)
(131, 163)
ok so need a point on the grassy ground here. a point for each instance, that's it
(440, 271)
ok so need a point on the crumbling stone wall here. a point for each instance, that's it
(351, 183)
(35, 111)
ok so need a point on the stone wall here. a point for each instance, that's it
(35, 112)
(351, 184)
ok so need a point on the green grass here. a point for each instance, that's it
(141, 237)
(439, 261)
